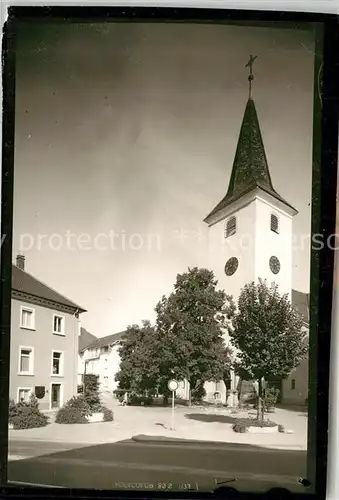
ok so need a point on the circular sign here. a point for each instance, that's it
(173, 385)
(231, 266)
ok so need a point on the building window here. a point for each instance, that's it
(57, 363)
(231, 227)
(105, 349)
(58, 324)
(106, 381)
(293, 384)
(27, 318)
(218, 386)
(24, 394)
(26, 361)
(274, 223)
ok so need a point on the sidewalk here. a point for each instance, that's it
(153, 425)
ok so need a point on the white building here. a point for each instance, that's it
(85, 339)
(101, 357)
(250, 238)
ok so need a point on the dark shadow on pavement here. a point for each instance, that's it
(203, 417)
(128, 462)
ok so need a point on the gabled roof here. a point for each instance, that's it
(85, 339)
(250, 168)
(24, 282)
(105, 341)
(301, 302)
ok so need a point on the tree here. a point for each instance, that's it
(267, 331)
(190, 326)
(139, 365)
(91, 391)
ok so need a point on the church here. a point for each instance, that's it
(250, 238)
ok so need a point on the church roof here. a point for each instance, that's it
(250, 168)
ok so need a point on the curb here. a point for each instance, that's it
(54, 440)
(143, 438)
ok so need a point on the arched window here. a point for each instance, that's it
(274, 223)
(231, 227)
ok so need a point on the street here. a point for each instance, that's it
(166, 466)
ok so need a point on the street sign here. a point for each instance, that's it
(172, 385)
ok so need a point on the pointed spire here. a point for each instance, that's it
(250, 168)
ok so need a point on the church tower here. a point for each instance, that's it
(250, 230)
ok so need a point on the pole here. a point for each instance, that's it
(172, 426)
(83, 383)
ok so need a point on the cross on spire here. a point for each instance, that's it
(250, 76)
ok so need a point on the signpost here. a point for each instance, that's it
(172, 386)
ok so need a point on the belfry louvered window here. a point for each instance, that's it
(274, 223)
(231, 227)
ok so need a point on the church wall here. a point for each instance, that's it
(268, 244)
(295, 387)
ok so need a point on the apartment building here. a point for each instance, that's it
(45, 328)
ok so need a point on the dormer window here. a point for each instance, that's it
(231, 227)
(274, 223)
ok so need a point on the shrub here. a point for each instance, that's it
(70, 416)
(24, 415)
(239, 427)
(79, 403)
(271, 397)
(12, 410)
(80, 389)
(253, 422)
(108, 415)
(198, 393)
(137, 400)
(74, 411)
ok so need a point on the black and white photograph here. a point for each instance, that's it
(161, 256)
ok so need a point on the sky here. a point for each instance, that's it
(125, 136)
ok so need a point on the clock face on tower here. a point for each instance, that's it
(274, 265)
(231, 266)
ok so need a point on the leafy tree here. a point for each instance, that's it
(267, 331)
(139, 365)
(91, 391)
(190, 326)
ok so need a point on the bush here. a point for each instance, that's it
(239, 427)
(80, 389)
(137, 400)
(271, 397)
(108, 415)
(24, 415)
(198, 393)
(12, 410)
(251, 422)
(70, 416)
(74, 411)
